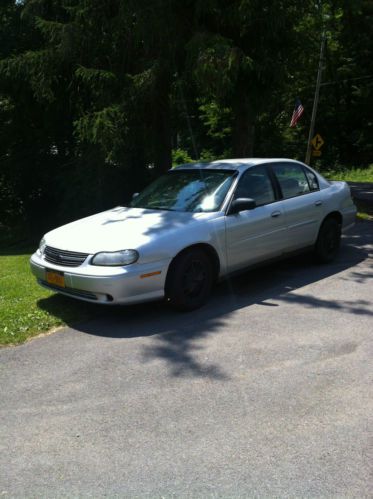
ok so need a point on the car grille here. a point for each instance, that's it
(64, 258)
(73, 292)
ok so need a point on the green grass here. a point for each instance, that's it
(363, 215)
(351, 175)
(27, 309)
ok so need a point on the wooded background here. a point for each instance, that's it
(97, 97)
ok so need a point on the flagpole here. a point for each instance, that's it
(316, 99)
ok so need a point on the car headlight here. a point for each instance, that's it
(115, 258)
(41, 248)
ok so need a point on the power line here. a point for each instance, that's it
(335, 82)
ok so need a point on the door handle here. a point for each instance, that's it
(276, 214)
(318, 203)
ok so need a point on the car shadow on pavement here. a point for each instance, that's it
(177, 336)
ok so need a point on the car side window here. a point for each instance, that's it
(256, 184)
(292, 179)
(312, 180)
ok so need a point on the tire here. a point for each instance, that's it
(189, 280)
(328, 241)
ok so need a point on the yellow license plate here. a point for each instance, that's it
(55, 278)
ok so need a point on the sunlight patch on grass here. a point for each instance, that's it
(364, 216)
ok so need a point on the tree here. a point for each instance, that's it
(94, 96)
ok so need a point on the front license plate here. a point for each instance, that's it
(55, 278)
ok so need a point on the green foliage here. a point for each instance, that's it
(217, 119)
(351, 174)
(95, 77)
(208, 155)
(100, 90)
(217, 64)
(180, 156)
(103, 128)
(37, 67)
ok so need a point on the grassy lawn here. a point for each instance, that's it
(351, 175)
(26, 309)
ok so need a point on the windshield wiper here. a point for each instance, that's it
(158, 208)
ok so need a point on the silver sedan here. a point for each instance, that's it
(194, 225)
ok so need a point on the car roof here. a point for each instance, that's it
(239, 164)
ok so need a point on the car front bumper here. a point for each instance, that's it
(135, 283)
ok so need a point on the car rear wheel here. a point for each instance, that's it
(189, 280)
(328, 241)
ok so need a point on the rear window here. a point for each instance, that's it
(292, 179)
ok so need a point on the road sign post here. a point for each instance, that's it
(316, 100)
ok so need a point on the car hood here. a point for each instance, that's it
(119, 228)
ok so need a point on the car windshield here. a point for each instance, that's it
(187, 190)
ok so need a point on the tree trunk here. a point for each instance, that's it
(243, 128)
(162, 133)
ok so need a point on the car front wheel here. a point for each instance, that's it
(328, 241)
(189, 280)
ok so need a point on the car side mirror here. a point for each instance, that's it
(242, 204)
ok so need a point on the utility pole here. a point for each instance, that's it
(316, 99)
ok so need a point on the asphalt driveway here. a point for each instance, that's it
(265, 392)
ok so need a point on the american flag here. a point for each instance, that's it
(297, 113)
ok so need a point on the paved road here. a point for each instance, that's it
(362, 191)
(265, 392)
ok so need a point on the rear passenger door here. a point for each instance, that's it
(302, 203)
(257, 234)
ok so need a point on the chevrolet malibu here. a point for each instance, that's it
(194, 225)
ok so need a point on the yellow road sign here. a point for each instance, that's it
(317, 142)
(316, 153)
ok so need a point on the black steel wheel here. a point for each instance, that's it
(189, 280)
(328, 241)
